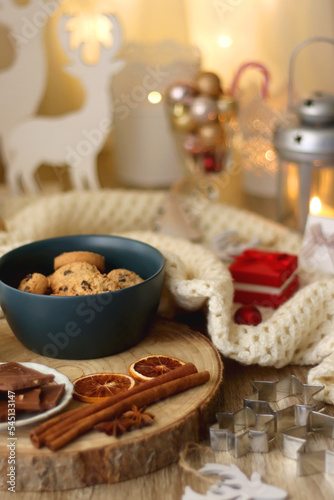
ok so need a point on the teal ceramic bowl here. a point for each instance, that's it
(81, 327)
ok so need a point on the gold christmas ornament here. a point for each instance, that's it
(210, 134)
(182, 119)
(204, 110)
(181, 92)
(208, 83)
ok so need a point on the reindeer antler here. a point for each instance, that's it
(108, 53)
(65, 39)
(117, 35)
(63, 32)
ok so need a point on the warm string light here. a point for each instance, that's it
(225, 41)
(270, 155)
(154, 97)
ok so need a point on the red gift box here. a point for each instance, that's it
(264, 278)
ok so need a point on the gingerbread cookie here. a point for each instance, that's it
(34, 283)
(123, 278)
(79, 256)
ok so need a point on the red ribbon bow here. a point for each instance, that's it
(278, 261)
(270, 268)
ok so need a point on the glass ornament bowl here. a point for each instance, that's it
(200, 114)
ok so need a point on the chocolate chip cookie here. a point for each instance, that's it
(79, 278)
(34, 283)
(123, 278)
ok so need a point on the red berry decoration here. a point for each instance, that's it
(247, 315)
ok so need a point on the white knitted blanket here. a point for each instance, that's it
(301, 331)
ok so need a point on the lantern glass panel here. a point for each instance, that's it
(299, 184)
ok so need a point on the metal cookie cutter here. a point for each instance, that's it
(242, 432)
(268, 396)
(308, 444)
(254, 426)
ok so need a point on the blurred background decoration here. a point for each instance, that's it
(201, 113)
(157, 53)
(89, 41)
(224, 35)
(146, 155)
(258, 115)
(73, 139)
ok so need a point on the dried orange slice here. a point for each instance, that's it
(94, 387)
(153, 365)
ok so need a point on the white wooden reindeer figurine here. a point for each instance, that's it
(22, 84)
(73, 139)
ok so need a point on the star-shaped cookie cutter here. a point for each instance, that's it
(298, 401)
(308, 444)
(251, 428)
(242, 432)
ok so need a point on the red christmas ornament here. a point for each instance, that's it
(211, 163)
(247, 315)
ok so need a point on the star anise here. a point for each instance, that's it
(128, 421)
(139, 417)
(115, 427)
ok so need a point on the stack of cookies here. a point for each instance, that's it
(79, 273)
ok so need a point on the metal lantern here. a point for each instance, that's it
(305, 147)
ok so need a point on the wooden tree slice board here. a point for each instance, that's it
(96, 458)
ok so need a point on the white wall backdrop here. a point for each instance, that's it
(227, 33)
(265, 30)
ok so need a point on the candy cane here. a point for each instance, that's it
(252, 65)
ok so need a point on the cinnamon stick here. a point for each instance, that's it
(57, 425)
(141, 399)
